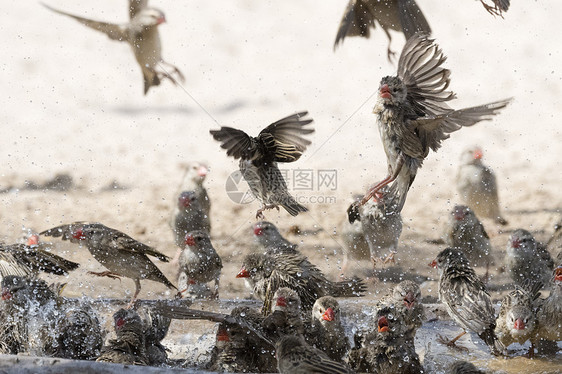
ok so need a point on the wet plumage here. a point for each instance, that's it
(141, 33)
(413, 116)
(189, 216)
(549, 313)
(282, 141)
(80, 335)
(477, 186)
(128, 347)
(155, 329)
(118, 252)
(405, 300)
(269, 237)
(399, 15)
(466, 298)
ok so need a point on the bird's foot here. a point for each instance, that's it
(108, 274)
(259, 213)
(451, 343)
(179, 294)
(388, 258)
(131, 303)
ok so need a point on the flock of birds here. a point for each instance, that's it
(299, 328)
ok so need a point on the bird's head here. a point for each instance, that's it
(392, 91)
(149, 17)
(287, 300)
(254, 267)
(187, 199)
(407, 292)
(78, 233)
(461, 213)
(326, 310)
(195, 239)
(521, 242)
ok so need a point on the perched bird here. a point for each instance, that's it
(517, 320)
(381, 223)
(526, 259)
(477, 186)
(286, 318)
(326, 331)
(199, 261)
(193, 178)
(388, 348)
(27, 260)
(155, 329)
(399, 15)
(498, 8)
(466, 299)
(465, 232)
(31, 308)
(405, 300)
(266, 273)
(282, 141)
(118, 252)
(549, 313)
(413, 116)
(269, 237)
(294, 356)
(463, 367)
(129, 346)
(355, 247)
(190, 217)
(79, 335)
(141, 33)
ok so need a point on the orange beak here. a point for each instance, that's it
(329, 315)
(409, 300)
(385, 92)
(477, 154)
(33, 240)
(433, 264)
(558, 274)
(243, 273)
(383, 324)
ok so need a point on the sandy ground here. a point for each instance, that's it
(73, 103)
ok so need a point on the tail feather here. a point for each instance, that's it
(355, 287)
(292, 207)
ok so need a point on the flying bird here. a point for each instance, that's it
(141, 33)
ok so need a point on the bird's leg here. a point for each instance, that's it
(344, 267)
(259, 213)
(108, 274)
(174, 68)
(137, 291)
(389, 53)
(215, 294)
(452, 343)
(392, 175)
(389, 258)
(531, 353)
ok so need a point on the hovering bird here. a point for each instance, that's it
(141, 33)
(477, 186)
(399, 15)
(413, 116)
(281, 141)
(118, 252)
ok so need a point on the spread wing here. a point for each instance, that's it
(135, 6)
(412, 19)
(39, 260)
(356, 21)
(420, 68)
(237, 143)
(284, 137)
(9, 265)
(112, 30)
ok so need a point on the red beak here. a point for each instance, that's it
(558, 274)
(258, 230)
(33, 240)
(222, 335)
(477, 154)
(329, 315)
(459, 215)
(433, 264)
(519, 324)
(383, 324)
(409, 300)
(189, 240)
(119, 323)
(515, 242)
(79, 234)
(281, 301)
(243, 273)
(161, 20)
(6, 295)
(384, 92)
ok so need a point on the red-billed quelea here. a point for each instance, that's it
(128, 347)
(194, 176)
(287, 315)
(527, 260)
(399, 15)
(413, 116)
(325, 330)
(266, 273)
(295, 356)
(549, 313)
(381, 222)
(477, 186)
(141, 33)
(190, 216)
(155, 329)
(80, 335)
(200, 262)
(465, 232)
(388, 348)
(269, 237)
(282, 141)
(466, 298)
(517, 319)
(405, 300)
(118, 252)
